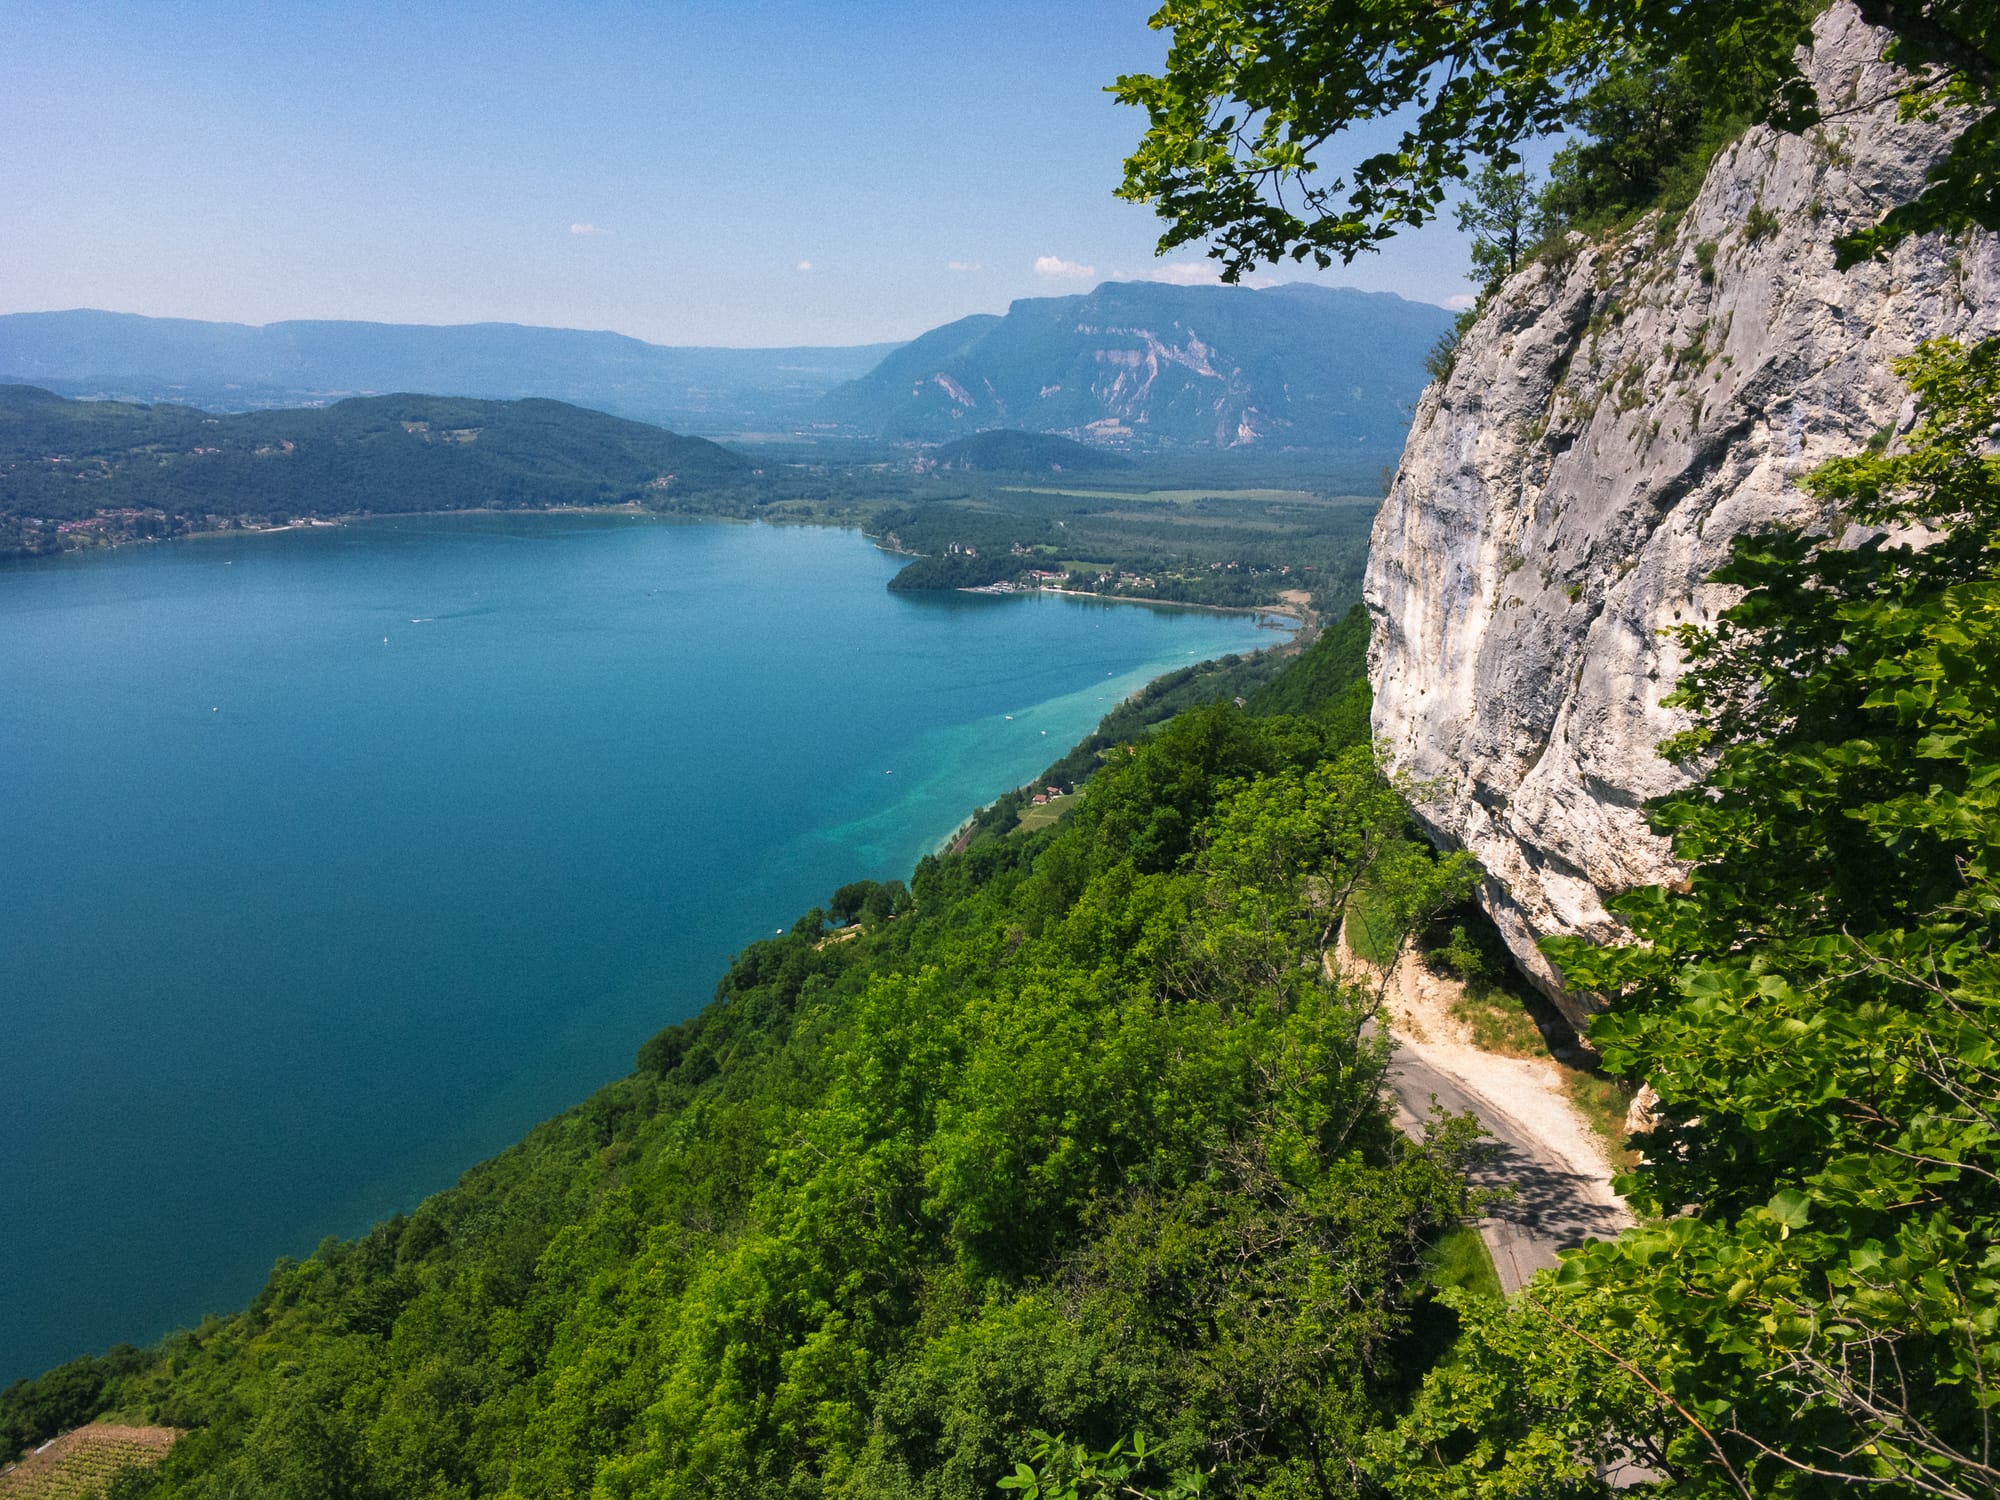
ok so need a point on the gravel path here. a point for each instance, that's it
(1541, 1147)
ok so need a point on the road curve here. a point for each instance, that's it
(1554, 1206)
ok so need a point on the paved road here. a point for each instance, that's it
(1554, 1207)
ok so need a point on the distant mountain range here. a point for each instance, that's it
(1147, 365)
(1138, 365)
(240, 367)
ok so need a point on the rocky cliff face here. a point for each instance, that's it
(1610, 423)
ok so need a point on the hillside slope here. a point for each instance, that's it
(67, 465)
(1145, 364)
(1003, 450)
(1615, 417)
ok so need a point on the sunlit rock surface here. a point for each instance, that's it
(1609, 424)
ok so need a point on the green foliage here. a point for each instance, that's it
(1327, 682)
(1325, 679)
(1499, 216)
(955, 571)
(1462, 958)
(1814, 1306)
(1459, 1259)
(33, 1411)
(1061, 1470)
(1647, 131)
(1253, 95)
(869, 902)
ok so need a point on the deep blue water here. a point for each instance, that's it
(297, 922)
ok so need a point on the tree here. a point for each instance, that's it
(1814, 1302)
(1062, 1470)
(1255, 90)
(1498, 215)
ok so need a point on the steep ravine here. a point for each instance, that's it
(1613, 419)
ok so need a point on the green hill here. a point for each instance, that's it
(1329, 681)
(1007, 451)
(69, 468)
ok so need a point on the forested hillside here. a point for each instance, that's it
(116, 470)
(1072, 1134)
(1005, 450)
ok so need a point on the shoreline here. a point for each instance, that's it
(1300, 613)
(1294, 604)
(838, 869)
(1299, 609)
(103, 543)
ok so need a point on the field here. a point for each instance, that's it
(1193, 496)
(1033, 817)
(83, 1462)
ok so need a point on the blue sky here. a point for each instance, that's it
(689, 173)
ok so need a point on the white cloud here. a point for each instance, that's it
(805, 265)
(1461, 302)
(584, 229)
(1183, 273)
(1055, 268)
(965, 265)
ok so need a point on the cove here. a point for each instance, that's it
(333, 860)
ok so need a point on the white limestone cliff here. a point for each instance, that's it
(1611, 421)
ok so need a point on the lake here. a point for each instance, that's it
(333, 860)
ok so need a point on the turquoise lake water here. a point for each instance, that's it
(298, 921)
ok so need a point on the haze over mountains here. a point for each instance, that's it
(239, 367)
(1131, 365)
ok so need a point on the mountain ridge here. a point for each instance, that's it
(71, 470)
(294, 362)
(1151, 365)
(1129, 364)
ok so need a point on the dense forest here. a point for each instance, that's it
(75, 471)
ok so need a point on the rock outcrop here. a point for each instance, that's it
(1611, 421)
